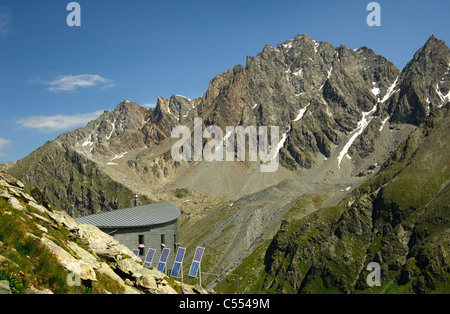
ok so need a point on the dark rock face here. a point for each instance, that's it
(333, 86)
(422, 85)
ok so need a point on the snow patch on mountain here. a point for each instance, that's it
(362, 125)
(301, 113)
(391, 91)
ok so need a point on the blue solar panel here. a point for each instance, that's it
(164, 255)
(175, 270)
(149, 257)
(199, 254)
(163, 259)
(194, 269)
(180, 255)
(161, 266)
(178, 262)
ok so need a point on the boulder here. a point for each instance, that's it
(128, 266)
(105, 245)
(164, 288)
(14, 202)
(63, 219)
(34, 290)
(4, 194)
(106, 270)
(147, 282)
(69, 262)
(11, 180)
(4, 287)
(83, 255)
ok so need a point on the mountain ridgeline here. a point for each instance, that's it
(363, 169)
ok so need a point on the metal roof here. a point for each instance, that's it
(133, 217)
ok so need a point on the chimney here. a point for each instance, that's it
(136, 203)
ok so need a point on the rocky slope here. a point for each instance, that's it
(42, 251)
(399, 219)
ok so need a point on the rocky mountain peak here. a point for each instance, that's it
(424, 84)
(339, 112)
(126, 115)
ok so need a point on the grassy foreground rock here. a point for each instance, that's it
(44, 251)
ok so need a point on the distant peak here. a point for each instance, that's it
(180, 96)
(432, 39)
(431, 47)
(300, 36)
(126, 102)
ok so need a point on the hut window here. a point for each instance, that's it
(141, 244)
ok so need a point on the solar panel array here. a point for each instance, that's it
(178, 262)
(163, 259)
(196, 262)
(195, 266)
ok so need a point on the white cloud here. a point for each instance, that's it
(70, 83)
(149, 105)
(5, 19)
(3, 144)
(61, 122)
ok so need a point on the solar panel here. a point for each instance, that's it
(180, 255)
(199, 254)
(161, 266)
(163, 259)
(178, 262)
(194, 269)
(136, 252)
(149, 258)
(196, 262)
(164, 255)
(175, 270)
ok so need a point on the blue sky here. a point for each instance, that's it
(54, 78)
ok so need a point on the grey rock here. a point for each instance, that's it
(4, 287)
(14, 202)
(69, 262)
(4, 194)
(34, 290)
(147, 282)
(421, 84)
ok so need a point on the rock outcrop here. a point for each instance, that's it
(85, 251)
